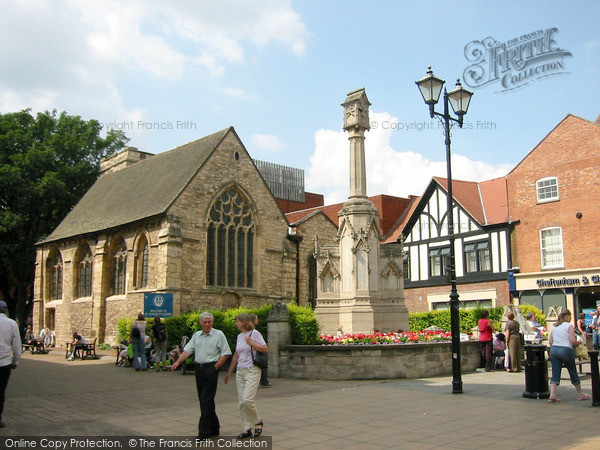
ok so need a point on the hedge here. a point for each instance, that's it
(441, 319)
(304, 325)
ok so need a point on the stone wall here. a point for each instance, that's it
(350, 362)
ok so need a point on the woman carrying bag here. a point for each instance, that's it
(562, 340)
(247, 377)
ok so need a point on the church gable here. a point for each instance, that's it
(233, 232)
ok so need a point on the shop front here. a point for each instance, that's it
(576, 290)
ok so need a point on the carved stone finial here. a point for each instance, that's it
(279, 312)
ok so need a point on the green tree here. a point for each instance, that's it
(47, 163)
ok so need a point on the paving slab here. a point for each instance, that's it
(49, 396)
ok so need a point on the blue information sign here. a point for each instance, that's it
(160, 305)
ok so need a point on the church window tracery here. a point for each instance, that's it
(230, 242)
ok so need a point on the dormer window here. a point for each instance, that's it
(547, 189)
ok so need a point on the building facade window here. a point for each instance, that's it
(142, 263)
(84, 275)
(551, 248)
(230, 242)
(119, 269)
(463, 304)
(406, 266)
(547, 189)
(477, 257)
(55, 268)
(439, 259)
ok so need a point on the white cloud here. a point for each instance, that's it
(267, 141)
(388, 171)
(237, 93)
(73, 55)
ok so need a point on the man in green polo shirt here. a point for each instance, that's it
(210, 349)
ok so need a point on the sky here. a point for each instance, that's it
(168, 73)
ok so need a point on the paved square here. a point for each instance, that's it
(49, 396)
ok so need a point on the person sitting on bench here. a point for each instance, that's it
(79, 342)
(31, 340)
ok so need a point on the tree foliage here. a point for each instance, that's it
(47, 162)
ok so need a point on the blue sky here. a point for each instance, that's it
(172, 72)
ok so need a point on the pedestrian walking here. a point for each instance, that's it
(562, 340)
(10, 352)
(210, 349)
(247, 376)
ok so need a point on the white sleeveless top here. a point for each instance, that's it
(560, 335)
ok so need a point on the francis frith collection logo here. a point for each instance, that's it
(516, 62)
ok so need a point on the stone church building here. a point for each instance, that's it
(198, 222)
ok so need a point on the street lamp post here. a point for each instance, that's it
(459, 99)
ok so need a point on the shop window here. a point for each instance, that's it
(547, 189)
(531, 298)
(477, 257)
(551, 248)
(466, 304)
(439, 261)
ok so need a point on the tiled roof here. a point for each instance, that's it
(486, 201)
(142, 190)
(390, 209)
(401, 222)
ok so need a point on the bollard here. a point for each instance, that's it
(595, 377)
(536, 372)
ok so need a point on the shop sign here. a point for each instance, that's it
(563, 282)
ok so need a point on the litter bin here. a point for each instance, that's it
(536, 372)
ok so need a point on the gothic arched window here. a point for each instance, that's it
(84, 274)
(142, 261)
(55, 272)
(230, 242)
(119, 269)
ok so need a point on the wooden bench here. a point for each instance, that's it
(580, 362)
(35, 348)
(83, 350)
(121, 361)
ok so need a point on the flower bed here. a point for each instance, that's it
(380, 338)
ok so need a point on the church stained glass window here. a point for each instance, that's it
(230, 242)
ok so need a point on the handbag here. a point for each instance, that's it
(260, 359)
(581, 352)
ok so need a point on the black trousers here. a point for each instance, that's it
(207, 378)
(4, 376)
